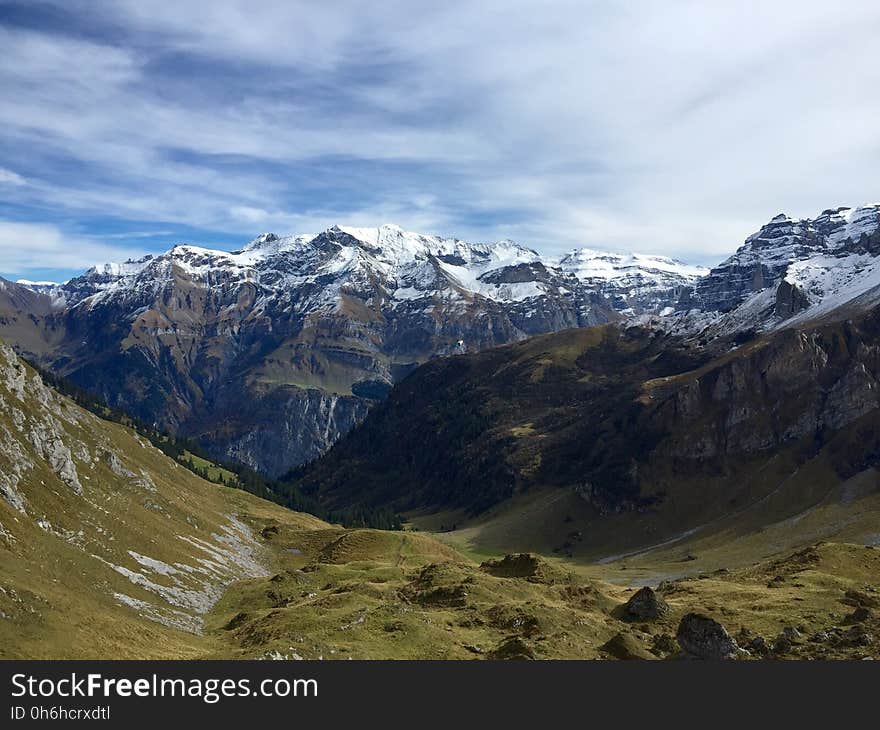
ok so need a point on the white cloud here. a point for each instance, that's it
(34, 246)
(8, 177)
(675, 127)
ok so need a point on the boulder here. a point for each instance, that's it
(645, 604)
(704, 638)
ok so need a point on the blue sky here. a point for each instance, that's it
(675, 127)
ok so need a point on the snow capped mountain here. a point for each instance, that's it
(635, 283)
(38, 285)
(405, 268)
(788, 272)
(268, 354)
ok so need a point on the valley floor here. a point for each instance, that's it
(334, 593)
(367, 594)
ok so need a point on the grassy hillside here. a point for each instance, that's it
(367, 594)
(596, 442)
(107, 547)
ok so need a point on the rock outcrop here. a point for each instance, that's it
(790, 270)
(38, 430)
(766, 256)
(645, 604)
(702, 637)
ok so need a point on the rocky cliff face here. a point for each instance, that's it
(799, 384)
(37, 434)
(630, 421)
(280, 428)
(270, 353)
(788, 268)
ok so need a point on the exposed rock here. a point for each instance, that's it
(523, 565)
(17, 463)
(862, 613)
(861, 598)
(145, 482)
(663, 644)
(41, 428)
(646, 604)
(13, 374)
(856, 635)
(788, 637)
(284, 428)
(519, 565)
(704, 638)
(45, 436)
(789, 300)
(759, 646)
(116, 466)
(766, 256)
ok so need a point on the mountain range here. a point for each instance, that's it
(628, 420)
(269, 354)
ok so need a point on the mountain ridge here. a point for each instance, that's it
(269, 354)
(787, 272)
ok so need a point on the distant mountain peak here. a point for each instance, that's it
(787, 271)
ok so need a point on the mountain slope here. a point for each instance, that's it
(635, 437)
(635, 283)
(107, 547)
(789, 272)
(25, 318)
(110, 550)
(268, 354)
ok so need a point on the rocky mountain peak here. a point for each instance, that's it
(313, 328)
(789, 269)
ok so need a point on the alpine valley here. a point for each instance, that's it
(590, 456)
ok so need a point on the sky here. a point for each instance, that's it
(671, 127)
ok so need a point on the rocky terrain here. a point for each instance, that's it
(107, 547)
(111, 550)
(366, 594)
(268, 354)
(788, 272)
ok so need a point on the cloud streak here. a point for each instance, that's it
(676, 127)
(27, 247)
